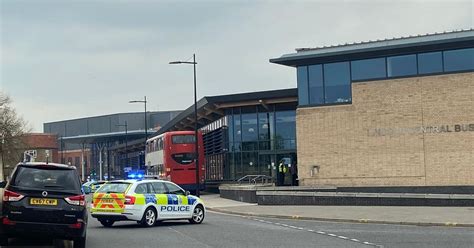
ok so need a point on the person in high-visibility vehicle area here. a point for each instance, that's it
(145, 201)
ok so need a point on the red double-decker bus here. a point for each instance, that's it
(171, 157)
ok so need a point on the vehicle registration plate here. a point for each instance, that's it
(106, 210)
(107, 200)
(43, 201)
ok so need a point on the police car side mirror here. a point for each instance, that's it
(3, 184)
(187, 193)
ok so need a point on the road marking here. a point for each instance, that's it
(189, 237)
(319, 232)
(309, 230)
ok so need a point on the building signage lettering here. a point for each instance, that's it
(420, 130)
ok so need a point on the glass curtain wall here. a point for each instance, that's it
(256, 135)
(330, 83)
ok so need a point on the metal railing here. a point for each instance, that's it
(255, 178)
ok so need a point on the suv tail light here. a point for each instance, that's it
(77, 225)
(78, 200)
(7, 221)
(10, 196)
(129, 200)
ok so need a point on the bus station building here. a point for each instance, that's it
(395, 112)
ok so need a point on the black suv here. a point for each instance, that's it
(44, 200)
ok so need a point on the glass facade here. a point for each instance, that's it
(368, 68)
(337, 83)
(302, 75)
(430, 62)
(401, 65)
(254, 138)
(316, 84)
(462, 59)
(330, 83)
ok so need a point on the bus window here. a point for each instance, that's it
(183, 139)
(183, 158)
(160, 144)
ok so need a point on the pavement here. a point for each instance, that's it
(403, 215)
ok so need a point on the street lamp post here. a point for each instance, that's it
(196, 157)
(2, 172)
(126, 140)
(144, 101)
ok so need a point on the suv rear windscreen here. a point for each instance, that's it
(46, 178)
(114, 187)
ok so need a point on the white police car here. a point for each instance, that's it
(146, 201)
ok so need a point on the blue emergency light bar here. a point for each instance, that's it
(136, 175)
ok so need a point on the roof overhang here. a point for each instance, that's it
(379, 48)
(210, 109)
(103, 137)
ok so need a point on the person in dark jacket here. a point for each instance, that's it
(294, 175)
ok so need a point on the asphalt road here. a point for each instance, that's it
(220, 230)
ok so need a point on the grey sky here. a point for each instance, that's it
(70, 59)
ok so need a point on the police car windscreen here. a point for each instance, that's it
(115, 187)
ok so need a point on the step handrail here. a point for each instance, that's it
(253, 179)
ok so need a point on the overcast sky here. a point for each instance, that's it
(71, 59)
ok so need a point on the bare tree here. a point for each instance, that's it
(12, 128)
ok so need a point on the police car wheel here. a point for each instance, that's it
(198, 215)
(149, 217)
(107, 223)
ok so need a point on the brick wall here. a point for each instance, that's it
(393, 134)
(74, 158)
(42, 142)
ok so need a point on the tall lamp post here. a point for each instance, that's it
(144, 101)
(2, 141)
(196, 157)
(126, 140)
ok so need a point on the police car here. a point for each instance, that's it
(145, 201)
